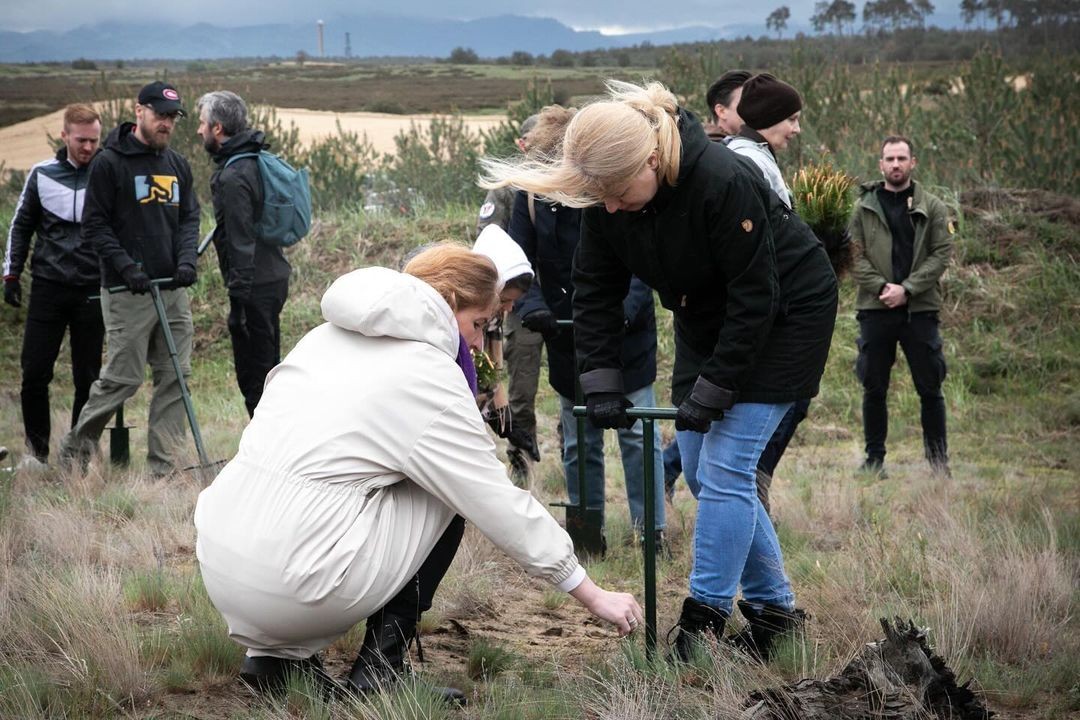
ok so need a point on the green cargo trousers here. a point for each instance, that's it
(134, 339)
(521, 351)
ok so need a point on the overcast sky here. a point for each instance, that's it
(612, 16)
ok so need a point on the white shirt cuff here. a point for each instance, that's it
(576, 578)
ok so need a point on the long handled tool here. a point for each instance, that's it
(648, 416)
(584, 524)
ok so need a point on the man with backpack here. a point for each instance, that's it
(253, 266)
(141, 216)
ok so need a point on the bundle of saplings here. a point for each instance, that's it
(824, 198)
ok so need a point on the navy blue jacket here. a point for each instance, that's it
(550, 244)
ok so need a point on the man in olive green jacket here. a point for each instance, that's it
(903, 240)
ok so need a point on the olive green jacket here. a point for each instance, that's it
(872, 241)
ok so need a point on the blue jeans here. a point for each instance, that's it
(631, 445)
(734, 541)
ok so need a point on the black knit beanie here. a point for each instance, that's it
(766, 101)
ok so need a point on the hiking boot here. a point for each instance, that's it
(764, 482)
(31, 465)
(269, 674)
(384, 655)
(696, 619)
(763, 626)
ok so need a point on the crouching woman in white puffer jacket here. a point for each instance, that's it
(340, 504)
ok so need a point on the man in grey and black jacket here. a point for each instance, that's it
(65, 273)
(142, 217)
(256, 273)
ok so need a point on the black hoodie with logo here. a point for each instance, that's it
(140, 208)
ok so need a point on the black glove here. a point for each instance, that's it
(12, 291)
(237, 321)
(498, 421)
(523, 441)
(137, 281)
(543, 322)
(608, 410)
(694, 416)
(185, 276)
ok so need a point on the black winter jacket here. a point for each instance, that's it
(752, 290)
(51, 204)
(140, 208)
(238, 199)
(549, 244)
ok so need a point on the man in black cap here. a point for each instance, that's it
(142, 217)
(256, 272)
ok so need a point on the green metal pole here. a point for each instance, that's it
(647, 415)
(650, 538)
(163, 320)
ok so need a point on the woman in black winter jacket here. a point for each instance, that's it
(754, 299)
(549, 233)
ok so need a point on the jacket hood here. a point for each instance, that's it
(122, 140)
(379, 302)
(509, 258)
(246, 141)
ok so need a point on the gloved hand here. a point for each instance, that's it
(696, 416)
(524, 441)
(543, 322)
(12, 291)
(137, 281)
(237, 321)
(498, 420)
(608, 410)
(185, 276)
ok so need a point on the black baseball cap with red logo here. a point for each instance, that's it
(162, 97)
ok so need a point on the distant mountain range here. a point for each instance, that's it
(370, 36)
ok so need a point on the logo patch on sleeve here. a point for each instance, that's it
(487, 210)
(164, 189)
(747, 225)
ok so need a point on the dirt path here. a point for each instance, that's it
(25, 143)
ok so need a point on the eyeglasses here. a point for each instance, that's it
(170, 115)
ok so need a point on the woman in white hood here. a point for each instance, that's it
(366, 444)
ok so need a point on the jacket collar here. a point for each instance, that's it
(753, 135)
(245, 141)
(694, 142)
(870, 202)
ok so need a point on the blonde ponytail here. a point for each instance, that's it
(606, 144)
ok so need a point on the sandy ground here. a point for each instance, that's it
(25, 143)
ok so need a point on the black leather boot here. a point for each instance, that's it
(268, 674)
(764, 626)
(384, 657)
(695, 620)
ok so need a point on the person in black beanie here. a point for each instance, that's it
(770, 109)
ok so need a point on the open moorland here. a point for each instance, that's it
(102, 611)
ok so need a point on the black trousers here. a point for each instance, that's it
(256, 337)
(770, 456)
(918, 336)
(54, 309)
(415, 598)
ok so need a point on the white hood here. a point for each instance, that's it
(510, 260)
(378, 302)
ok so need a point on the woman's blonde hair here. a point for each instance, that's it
(465, 279)
(546, 138)
(606, 144)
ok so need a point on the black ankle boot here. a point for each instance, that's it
(695, 620)
(384, 654)
(268, 674)
(764, 626)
